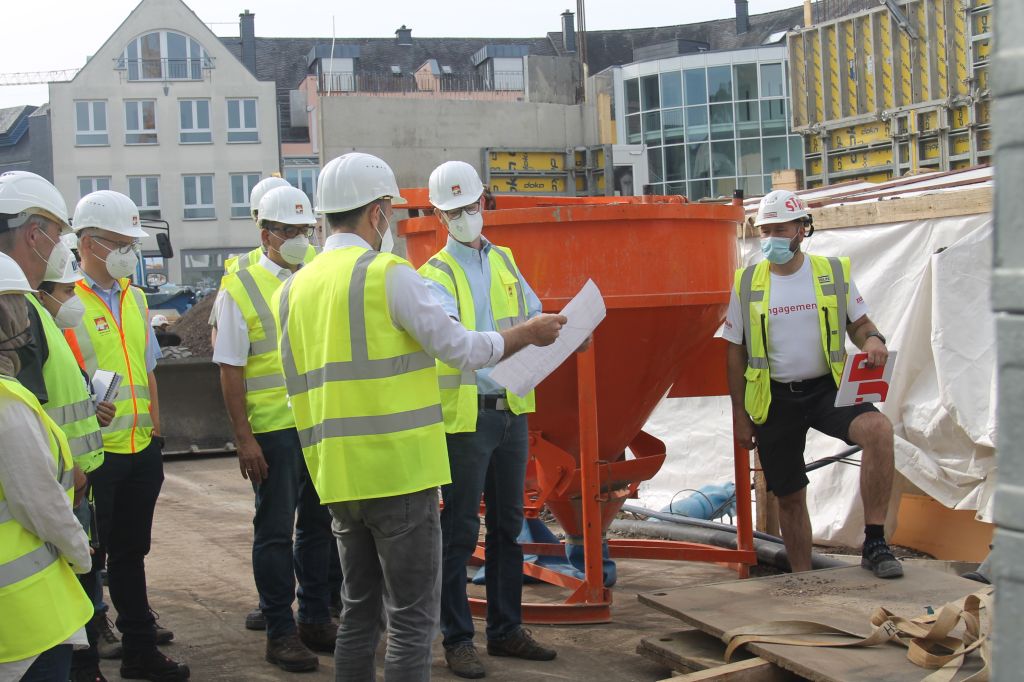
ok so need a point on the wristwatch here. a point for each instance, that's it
(878, 334)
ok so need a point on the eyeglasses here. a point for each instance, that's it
(111, 245)
(456, 213)
(292, 231)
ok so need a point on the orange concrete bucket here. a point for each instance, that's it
(665, 268)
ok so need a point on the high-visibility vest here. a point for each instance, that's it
(41, 601)
(247, 260)
(459, 399)
(266, 401)
(753, 284)
(120, 348)
(69, 401)
(364, 394)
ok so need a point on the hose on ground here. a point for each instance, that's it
(690, 521)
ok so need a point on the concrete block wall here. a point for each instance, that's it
(1008, 304)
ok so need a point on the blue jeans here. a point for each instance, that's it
(277, 562)
(490, 461)
(53, 665)
(390, 556)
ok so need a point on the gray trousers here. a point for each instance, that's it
(390, 552)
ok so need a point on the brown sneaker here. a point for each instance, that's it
(464, 661)
(289, 654)
(319, 637)
(520, 644)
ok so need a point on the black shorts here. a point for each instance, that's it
(794, 409)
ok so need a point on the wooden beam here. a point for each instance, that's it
(753, 670)
(906, 209)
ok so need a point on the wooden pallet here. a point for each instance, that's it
(695, 655)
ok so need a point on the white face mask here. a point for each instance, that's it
(293, 250)
(70, 312)
(387, 242)
(58, 260)
(466, 228)
(121, 265)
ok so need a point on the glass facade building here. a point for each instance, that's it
(711, 122)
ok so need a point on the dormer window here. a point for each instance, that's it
(164, 55)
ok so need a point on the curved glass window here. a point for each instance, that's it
(164, 55)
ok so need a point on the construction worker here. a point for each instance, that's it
(115, 335)
(71, 406)
(259, 190)
(785, 325)
(160, 324)
(360, 331)
(269, 454)
(478, 284)
(42, 545)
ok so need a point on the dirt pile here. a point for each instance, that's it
(194, 327)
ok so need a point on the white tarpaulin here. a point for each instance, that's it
(927, 286)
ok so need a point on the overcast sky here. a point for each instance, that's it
(44, 35)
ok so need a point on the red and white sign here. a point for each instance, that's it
(862, 384)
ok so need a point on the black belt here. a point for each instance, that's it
(804, 386)
(493, 402)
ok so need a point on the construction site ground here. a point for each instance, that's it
(200, 582)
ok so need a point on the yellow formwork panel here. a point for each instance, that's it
(830, 59)
(922, 66)
(799, 77)
(812, 143)
(886, 59)
(525, 161)
(876, 160)
(941, 65)
(959, 144)
(507, 184)
(863, 134)
(984, 140)
(960, 117)
(962, 54)
(849, 60)
(983, 113)
(906, 76)
(814, 166)
(928, 149)
(866, 63)
(815, 82)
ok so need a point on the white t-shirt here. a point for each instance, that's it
(794, 337)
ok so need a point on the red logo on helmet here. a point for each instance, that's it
(298, 209)
(793, 204)
(135, 221)
(456, 190)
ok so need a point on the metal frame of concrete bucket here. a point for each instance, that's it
(674, 301)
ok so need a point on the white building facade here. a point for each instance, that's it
(164, 113)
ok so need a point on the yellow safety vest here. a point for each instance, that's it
(120, 348)
(364, 394)
(69, 401)
(246, 261)
(41, 601)
(266, 401)
(459, 396)
(752, 284)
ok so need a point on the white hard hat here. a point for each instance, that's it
(159, 320)
(12, 279)
(288, 205)
(23, 194)
(780, 206)
(454, 184)
(108, 210)
(260, 189)
(72, 273)
(351, 181)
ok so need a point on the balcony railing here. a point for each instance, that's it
(165, 69)
(500, 85)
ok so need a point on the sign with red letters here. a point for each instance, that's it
(863, 384)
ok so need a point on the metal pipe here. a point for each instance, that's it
(690, 521)
(769, 553)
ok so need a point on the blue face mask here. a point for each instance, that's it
(777, 249)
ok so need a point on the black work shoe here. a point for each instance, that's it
(319, 636)
(87, 675)
(108, 645)
(254, 620)
(153, 666)
(289, 654)
(464, 661)
(879, 559)
(163, 635)
(520, 644)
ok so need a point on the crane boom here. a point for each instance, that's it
(37, 77)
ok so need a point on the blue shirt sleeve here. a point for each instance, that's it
(446, 300)
(153, 352)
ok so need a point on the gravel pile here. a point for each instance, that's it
(194, 328)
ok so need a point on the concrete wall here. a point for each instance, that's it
(168, 159)
(554, 80)
(415, 136)
(1007, 284)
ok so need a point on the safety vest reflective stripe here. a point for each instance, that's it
(466, 378)
(27, 565)
(369, 426)
(72, 413)
(83, 445)
(360, 367)
(128, 420)
(838, 285)
(262, 312)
